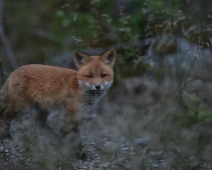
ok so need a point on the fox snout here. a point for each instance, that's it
(95, 87)
(98, 87)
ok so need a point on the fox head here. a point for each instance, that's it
(95, 73)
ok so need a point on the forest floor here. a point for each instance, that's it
(114, 138)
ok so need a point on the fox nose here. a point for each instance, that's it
(98, 87)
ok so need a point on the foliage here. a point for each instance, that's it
(163, 70)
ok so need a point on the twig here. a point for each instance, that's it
(5, 40)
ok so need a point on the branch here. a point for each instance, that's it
(5, 40)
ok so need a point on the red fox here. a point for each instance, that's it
(50, 87)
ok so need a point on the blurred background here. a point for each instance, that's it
(158, 113)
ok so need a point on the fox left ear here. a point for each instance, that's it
(109, 57)
(80, 58)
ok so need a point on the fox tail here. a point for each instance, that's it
(4, 97)
(2, 74)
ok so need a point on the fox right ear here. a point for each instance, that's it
(109, 57)
(80, 58)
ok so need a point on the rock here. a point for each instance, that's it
(1, 148)
(142, 141)
(125, 149)
(155, 165)
(104, 165)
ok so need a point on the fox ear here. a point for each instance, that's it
(80, 58)
(109, 57)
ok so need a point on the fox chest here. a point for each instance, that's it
(92, 98)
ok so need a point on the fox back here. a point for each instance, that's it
(51, 86)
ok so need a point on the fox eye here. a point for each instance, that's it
(89, 76)
(103, 75)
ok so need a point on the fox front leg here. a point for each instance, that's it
(70, 135)
(69, 130)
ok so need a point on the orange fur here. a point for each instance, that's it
(53, 87)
